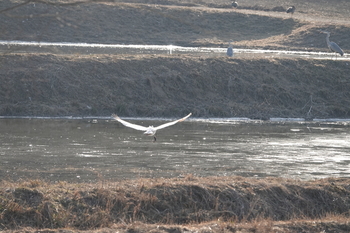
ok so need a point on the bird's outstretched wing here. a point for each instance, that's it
(127, 124)
(172, 122)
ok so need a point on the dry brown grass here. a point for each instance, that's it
(220, 202)
(52, 85)
(165, 85)
(186, 23)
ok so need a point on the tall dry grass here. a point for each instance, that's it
(191, 200)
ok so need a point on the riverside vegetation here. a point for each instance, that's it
(187, 204)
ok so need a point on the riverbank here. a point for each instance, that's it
(187, 204)
(172, 86)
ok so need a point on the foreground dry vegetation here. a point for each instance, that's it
(211, 204)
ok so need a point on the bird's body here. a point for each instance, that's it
(291, 10)
(332, 45)
(229, 51)
(234, 4)
(150, 130)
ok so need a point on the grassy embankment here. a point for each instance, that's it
(225, 202)
(147, 85)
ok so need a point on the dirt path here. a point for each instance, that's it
(314, 19)
(322, 20)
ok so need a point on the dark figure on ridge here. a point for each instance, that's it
(291, 10)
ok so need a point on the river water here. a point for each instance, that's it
(92, 149)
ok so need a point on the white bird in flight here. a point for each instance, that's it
(150, 130)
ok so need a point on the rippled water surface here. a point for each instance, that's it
(89, 150)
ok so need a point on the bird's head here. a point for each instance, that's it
(325, 32)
